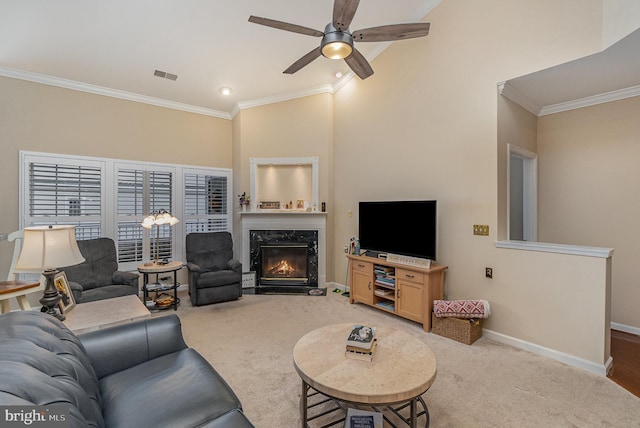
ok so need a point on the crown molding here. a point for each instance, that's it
(108, 92)
(607, 97)
(323, 89)
(508, 90)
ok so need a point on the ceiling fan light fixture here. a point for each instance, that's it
(336, 44)
(337, 50)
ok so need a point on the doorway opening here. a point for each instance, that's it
(522, 194)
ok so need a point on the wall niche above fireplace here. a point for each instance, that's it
(284, 180)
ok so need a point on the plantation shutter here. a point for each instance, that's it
(206, 203)
(139, 194)
(62, 193)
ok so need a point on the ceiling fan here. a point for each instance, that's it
(338, 42)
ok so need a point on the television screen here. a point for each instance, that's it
(399, 227)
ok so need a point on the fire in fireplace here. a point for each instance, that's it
(284, 264)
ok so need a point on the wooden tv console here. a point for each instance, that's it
(404, 290)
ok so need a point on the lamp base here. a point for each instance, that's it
(51, 297)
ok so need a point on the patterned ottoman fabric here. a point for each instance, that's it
(461, 308)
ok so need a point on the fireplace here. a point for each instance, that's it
(284, 258)
(284, 264)
(268, 228)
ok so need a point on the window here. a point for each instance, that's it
(206, 206)
(107, 197)
(140, 192)
(69, 193)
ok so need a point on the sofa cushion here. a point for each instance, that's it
(108, 292)
(176, 390)
(210, 251)
(100, 262)
(43, 363)
(216, 279)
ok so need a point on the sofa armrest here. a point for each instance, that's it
(126, 278)
(193, 267)
(235, 265)
(114, 349)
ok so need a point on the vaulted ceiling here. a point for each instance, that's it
(115, 46)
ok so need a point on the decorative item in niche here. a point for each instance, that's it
(300, 204)
(244, 199)
(270, 205)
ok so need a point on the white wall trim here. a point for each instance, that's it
(576, 250)
(108, 92)
(590, 366)
(625, 328)
(324, 89)
(508, 90)
(620, 94)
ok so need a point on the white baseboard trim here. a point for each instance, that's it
(625, 328)
(590, 366)
(333, 285)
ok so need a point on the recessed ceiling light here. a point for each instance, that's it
(339, 74)
(225, 90)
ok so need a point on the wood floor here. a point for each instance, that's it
(625, 350)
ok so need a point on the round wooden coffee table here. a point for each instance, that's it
(403, 368)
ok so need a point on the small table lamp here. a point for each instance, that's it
(158, 218)
(44, 248)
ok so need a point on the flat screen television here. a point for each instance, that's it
(406, 228)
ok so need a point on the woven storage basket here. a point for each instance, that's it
(463, 330)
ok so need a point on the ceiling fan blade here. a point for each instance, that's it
(387, 33)
(359, 64)
(285, 26)
(343, 12)
(304, 61)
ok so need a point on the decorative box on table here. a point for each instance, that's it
(462, 330)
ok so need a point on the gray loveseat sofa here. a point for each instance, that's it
(140, 374)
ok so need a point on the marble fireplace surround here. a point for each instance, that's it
(278, 220)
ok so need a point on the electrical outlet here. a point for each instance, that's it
(488, 272)
(481, 229)
(346, 248)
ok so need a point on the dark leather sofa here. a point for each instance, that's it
(140, 374)
(98, 277)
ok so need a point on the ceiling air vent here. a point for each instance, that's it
(165, 75)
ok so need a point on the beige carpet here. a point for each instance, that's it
(487, 384)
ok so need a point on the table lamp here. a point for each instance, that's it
(45, 248)
(158, 218)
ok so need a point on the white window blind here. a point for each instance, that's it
(140, 192)
(110, 198)
(206, 203)
(65, 194)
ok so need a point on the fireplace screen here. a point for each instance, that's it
(284, 264)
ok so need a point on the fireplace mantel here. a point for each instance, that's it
(286, 220)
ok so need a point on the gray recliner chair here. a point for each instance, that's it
(214, 275)
(98, 277)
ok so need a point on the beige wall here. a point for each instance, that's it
(297, 128)
(424, 126)
(42, 118)
(588, 190)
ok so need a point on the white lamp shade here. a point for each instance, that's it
(48, 247)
